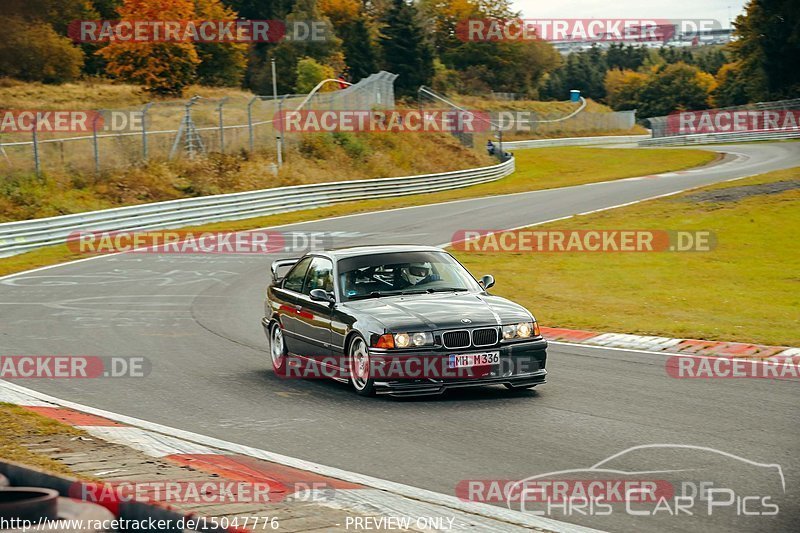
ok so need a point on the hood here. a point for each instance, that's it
(429, 312)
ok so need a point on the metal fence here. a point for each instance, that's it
(19, 237)
(660, 126)
(503, 122)
(714, 138)
(180, 129)
(576, 141)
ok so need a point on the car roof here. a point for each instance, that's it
(354, 251)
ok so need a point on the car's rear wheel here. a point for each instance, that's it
(277, 349)
(358, 361)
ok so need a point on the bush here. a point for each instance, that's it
(35, 52)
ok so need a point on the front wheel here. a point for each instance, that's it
(358, 362)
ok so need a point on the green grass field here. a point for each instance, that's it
(536, 169)
(746, 289)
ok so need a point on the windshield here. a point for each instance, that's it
(372, 276)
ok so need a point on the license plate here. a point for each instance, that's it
(473, 359)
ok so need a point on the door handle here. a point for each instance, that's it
(298, 308)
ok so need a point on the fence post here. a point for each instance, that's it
(145, 109)
(221, 127)
(250, 120)
(279, 136)
(36, 162)
(96, 145)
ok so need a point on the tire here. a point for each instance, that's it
(277, 349)
(358, 365)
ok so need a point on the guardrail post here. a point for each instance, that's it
(221, 127)
(145, 109)
(250, 120)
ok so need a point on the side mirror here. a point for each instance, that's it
(321, 295)
(487, 281)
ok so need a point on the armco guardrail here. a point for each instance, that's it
(574, 141)
(18, 237)
(711, 138)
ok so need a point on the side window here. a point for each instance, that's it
(294, 279)
(320, 276)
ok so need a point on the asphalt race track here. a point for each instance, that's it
(197, 319)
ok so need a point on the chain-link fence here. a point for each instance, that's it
(179, 129)
(661, 127)
(497, 126)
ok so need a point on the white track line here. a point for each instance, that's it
(426, 496)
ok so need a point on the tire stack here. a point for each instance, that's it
(34, 504)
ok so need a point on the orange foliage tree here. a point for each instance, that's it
(164, 68)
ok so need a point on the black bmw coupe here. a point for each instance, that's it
(399, 320)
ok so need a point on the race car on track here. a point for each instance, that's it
(398, 320)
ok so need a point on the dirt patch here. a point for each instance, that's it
(734, 194)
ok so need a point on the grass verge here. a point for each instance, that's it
(536, 169)
(17, 424)
(746, 289)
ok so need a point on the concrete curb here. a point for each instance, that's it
(353, 492)
(669, 345)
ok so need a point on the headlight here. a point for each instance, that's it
(523, 330)
(421, 339)
(404, 340)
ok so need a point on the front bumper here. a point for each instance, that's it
(522, 365)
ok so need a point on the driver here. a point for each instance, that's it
(415, 273)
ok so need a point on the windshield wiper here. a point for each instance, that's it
(447, 289)
(373, 294)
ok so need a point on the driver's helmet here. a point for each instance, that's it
(414, 273)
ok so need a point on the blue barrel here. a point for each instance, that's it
(574, 95)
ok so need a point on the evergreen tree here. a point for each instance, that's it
(405, 50)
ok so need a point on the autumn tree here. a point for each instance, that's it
(731, 86)
(310, 73)
(624, 88)
(676, 87)
(163, 68)
(221, 64)
(352, 26)
(33, 51)
(289, 51)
